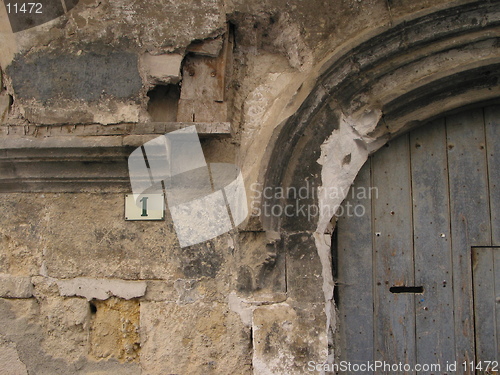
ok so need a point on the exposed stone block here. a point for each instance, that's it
(101, 289)
(9, 358)
(65, 326)
(304, 269)
(208, 47)
(15, 286)
(162, 68)
(160, 290)
(87, 77)
(286, 337)
(106, 246)
(51, 337)
(114, 329)
(214, 340)
(4, 107)
(261, 268)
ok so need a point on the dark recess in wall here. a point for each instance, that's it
(163, 101)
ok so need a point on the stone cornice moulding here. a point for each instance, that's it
(79, 158)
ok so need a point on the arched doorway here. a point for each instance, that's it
(418, 268)
(367, 94)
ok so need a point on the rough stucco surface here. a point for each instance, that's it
(247, 301)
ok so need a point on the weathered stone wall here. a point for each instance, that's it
(310, 89)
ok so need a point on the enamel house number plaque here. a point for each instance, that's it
(146, 208)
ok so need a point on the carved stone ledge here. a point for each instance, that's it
(95, 135)
(79, 158)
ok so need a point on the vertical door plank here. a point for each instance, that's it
(470, 217)
(432, 245)
(355, 267)
(496, 260)
(393, 254)
(492, 127)
(484, 303)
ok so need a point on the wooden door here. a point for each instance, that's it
(404, 268)
(486, 285)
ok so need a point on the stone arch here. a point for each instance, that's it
(390, 83)
(413, 72)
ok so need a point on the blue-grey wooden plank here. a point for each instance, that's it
(432, 245)
(492, 128)
(355, 265)
(393, 254)
(470, 216)
(485, 303)
(496, 259)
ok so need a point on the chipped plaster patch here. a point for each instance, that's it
(242, 308)
(101, 289)
(342, 156)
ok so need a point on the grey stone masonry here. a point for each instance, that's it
(15, 286)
